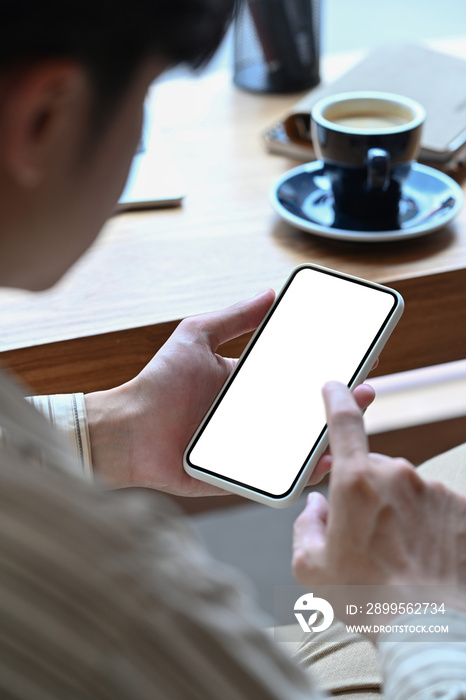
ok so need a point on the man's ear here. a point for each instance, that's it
(44, 109)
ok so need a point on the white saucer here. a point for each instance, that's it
(303, 197)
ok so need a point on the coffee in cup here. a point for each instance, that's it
(369, 120)
(367, 142)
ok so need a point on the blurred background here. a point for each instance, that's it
(348, 25)
(355, 24)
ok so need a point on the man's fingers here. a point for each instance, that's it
(315, 514)
(234, 321)
(347, 436)
(322, 468)
(309, 537)
(364, 395)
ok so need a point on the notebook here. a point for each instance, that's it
(154, 179)
(436, 80)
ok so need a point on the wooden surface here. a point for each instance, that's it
(148, 269)
(432, 329)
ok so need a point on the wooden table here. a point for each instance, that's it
(147, 270)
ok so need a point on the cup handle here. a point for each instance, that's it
(378, 169)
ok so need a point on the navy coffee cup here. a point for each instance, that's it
(367, 142)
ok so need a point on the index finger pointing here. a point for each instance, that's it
(347, 436)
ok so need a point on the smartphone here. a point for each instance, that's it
(266, 430)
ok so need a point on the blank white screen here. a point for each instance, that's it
(266, 424)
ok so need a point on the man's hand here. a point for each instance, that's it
(383, 524)
(140, 430)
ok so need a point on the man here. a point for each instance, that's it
(105, 595)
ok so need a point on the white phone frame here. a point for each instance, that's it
(293, 494)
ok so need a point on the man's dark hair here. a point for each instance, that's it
(111, 37)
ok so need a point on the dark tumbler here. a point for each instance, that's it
(277, 45)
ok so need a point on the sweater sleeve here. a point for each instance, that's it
(67, 413)
(425, 670)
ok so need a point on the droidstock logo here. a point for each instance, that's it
(308, 603)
